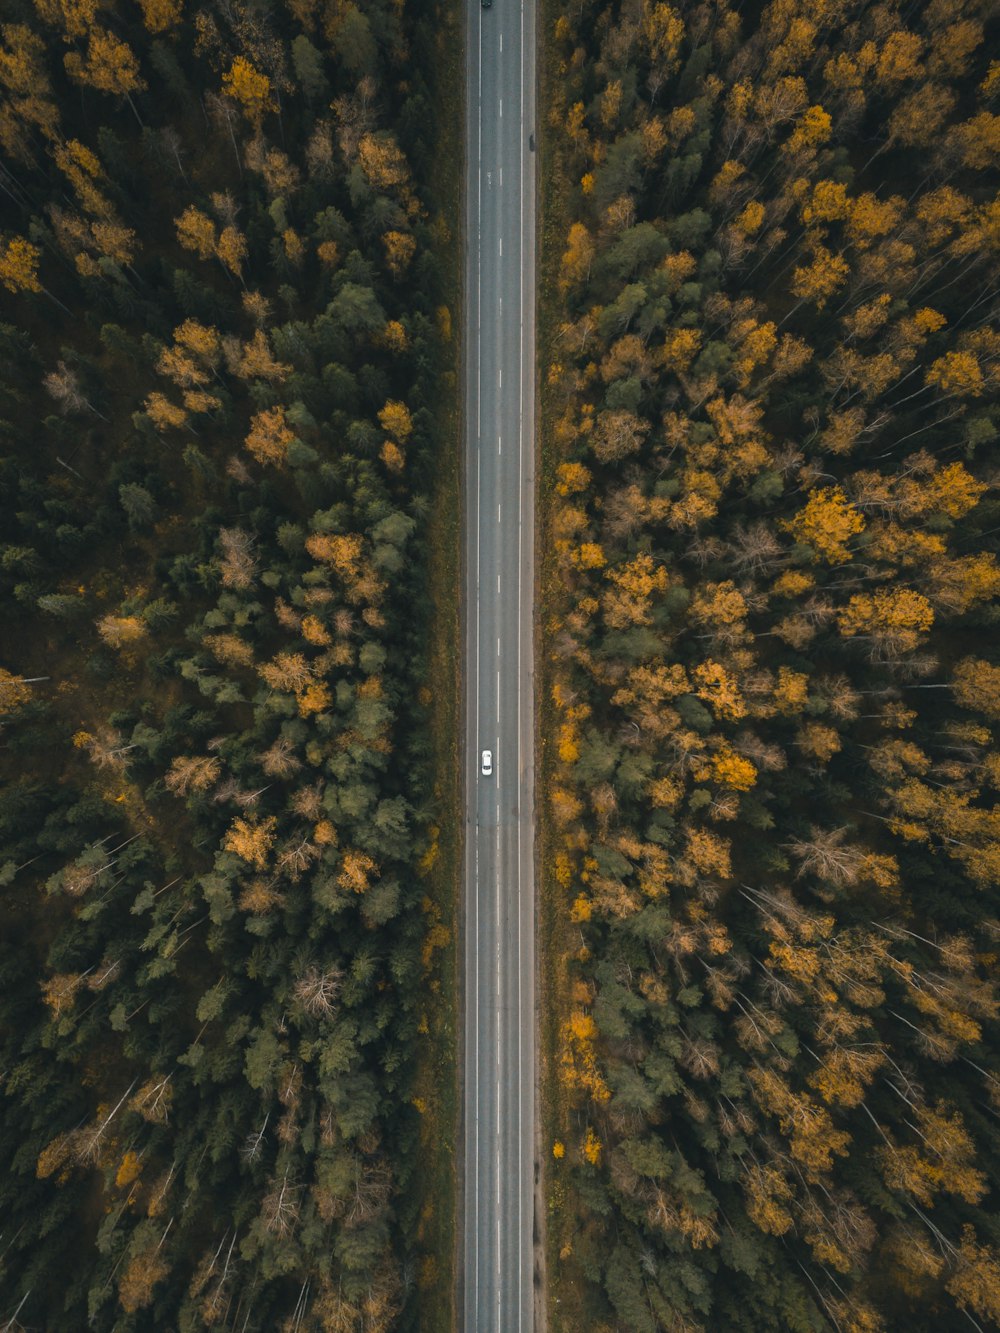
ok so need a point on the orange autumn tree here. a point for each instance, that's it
(384, 163)
(110, 66)
(14, 691)
(19, 265)
(578, 257)
(941, 1161)
(976, 684)
(827, 524)
(140, 1276)
(342, 551)
(356, 871)
(231, 249)
(579, 1066)
(400, 247)
(196, 231)
(892, 620)
(395, 418)
(161, 15)
(269, 436)
(250, 89)
(975, 1280)
(957, 373)
(121, 632)
(818, 280)
(251, 840)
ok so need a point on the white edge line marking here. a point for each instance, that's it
(474, 887)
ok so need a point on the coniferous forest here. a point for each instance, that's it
(770, 637)
(221, 349)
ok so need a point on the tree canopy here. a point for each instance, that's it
(220, 360)
(771, 588)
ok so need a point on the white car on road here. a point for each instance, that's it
(487, 764)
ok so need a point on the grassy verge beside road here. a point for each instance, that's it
(437, 1085)
(566, 1295)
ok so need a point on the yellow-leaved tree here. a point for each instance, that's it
(818, 280)
(19, 265)
(161, 15)
(251, 839)
(109, 66)
(893, 619)
(250, 89)
(396, 420)
(269, 436)
(827, 524)
(196, 231)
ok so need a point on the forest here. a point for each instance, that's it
(223, 340)
(772, 678)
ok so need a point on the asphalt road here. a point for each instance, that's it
(499, 1084)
